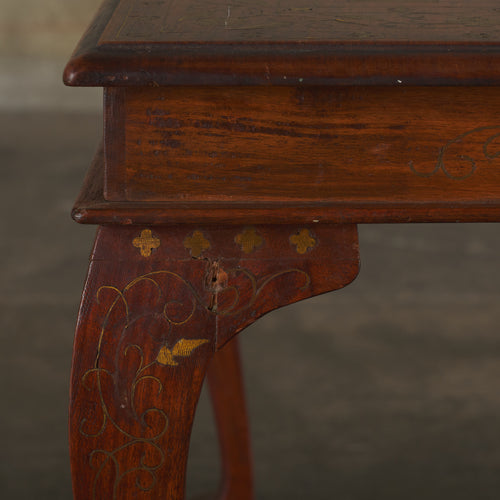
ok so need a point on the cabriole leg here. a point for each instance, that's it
(225, 380)
(143, 343)
(158, 303)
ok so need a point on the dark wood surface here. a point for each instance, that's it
(92, 208)
(242, 143)
(175, 42)
(156, 306)
(320, 145)
(296, 20)
(227, 391)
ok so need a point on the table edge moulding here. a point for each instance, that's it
(242, 146)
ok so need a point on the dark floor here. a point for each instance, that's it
(382, 391)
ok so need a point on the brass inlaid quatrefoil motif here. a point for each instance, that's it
(303, 240)
(249, 240)
(196, 243)
(146, 242)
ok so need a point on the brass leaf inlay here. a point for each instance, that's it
(249, 240)
(183, 348)
(100, 375)
(196, 243)
(146, 242)
(303, 240)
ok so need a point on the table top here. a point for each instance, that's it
(296, 20)
(255, 42)
(265, 111)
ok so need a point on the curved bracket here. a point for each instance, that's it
(158, 303)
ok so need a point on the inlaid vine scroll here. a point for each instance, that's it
(158, 303)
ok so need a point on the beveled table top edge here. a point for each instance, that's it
(98, 62)
(288, 64)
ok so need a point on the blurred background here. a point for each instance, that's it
(387, 389)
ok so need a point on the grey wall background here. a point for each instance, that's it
(36, 39)
(43, 28)
(388, 389)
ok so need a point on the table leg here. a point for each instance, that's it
(143, 343)
(225, 380)
(157, 304)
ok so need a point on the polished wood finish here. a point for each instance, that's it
(133, 42)
(92, 208)
(156, 306)
(295, 145)
(242, 144)
(170, 21)
(131, 408)
(225, 380)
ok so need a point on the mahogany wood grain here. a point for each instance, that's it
(166, 21)
(318, 145)
(242, 144)
(132, 401)
(156, 306)
(92, 208)
(134, 42)
(225, 380)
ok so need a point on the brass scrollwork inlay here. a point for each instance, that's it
(103, 379)
(467, 164)
(123, 416)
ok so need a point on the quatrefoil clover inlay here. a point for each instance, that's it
(303, 241)
(146, 242)
(196, 244)
(249, 240)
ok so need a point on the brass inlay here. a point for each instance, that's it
(146, 242)
(196, 243)
(243, 301)
(303, 240)
(183, 348)
(455, 160)
(177, 311)
(249, 240)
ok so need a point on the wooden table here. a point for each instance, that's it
(243, 143)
